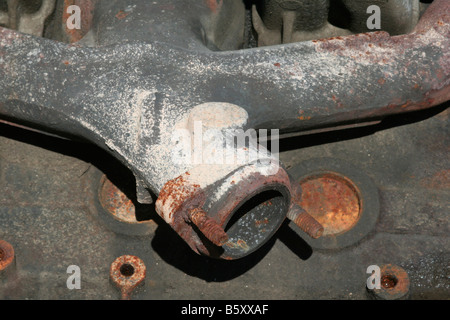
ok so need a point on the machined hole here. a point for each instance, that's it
(389, 281)
(127, 270)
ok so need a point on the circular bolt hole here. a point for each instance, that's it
(127, 270)
(388, 281)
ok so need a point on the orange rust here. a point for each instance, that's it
(258, 223)
(332, 200)
(305, 222)
(116, 202)
(394, 280)
(277, 65)
(177, 191)
(440, 180)
(121, 15)
(208, 227)
(388, 281)
(6, 254)
(127, 272)
(241, 242)
(213, 5)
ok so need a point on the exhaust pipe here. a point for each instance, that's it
(236, 197)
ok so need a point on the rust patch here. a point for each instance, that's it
(174, 194)
(121, 15)
(6, 254)
(116, 202)
(175, 200)
(208, 227)
(440, 180)
(241, 244)
(127, 273)
(388, 281)
(332, 200)
(394, 283)
(213, 5)
(259, 223)
(436, 17)
(357, 46)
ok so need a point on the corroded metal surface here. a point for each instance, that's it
(306, 222)
(395, 283)
(47, 212)
(128, 95)
(127, 272)
(332, 200)
(6, 255)
(183, 194)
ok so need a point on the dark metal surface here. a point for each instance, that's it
(49, 214)
(127, 95)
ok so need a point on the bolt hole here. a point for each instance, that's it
(2, 255)
(388, 281)
(127, 270)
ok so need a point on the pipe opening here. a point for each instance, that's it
(254, 222)
(127, 270)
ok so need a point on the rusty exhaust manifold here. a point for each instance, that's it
(130, 97)
(230, 218)
(221, 208)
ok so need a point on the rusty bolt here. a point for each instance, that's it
(208, 227)
(127, 272)
(305, 222)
